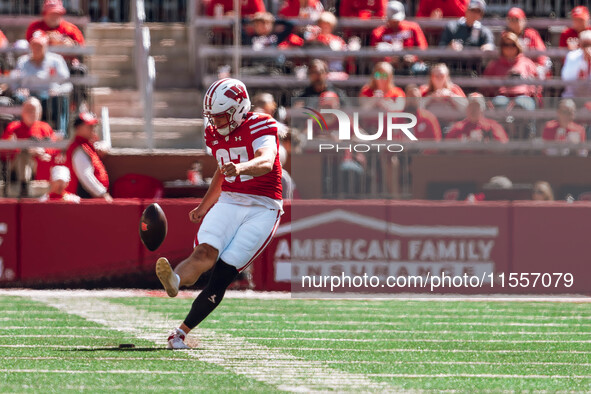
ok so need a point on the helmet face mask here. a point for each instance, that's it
(226, 104)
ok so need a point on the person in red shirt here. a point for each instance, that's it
(3, 40)
(89, 176)
(528, 38)
(428, 127)
(29, 128)
(397, 32)
(306, 9)
(59, 31)
(564, 128)
(60, 177)
(580, 21)
(441, 91)
(513, 64)
(321, 36)
(362, 9)
(476, 127)
(382, 83)
(226, 7)
(442, 8)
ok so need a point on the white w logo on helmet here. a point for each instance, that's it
(225, 105)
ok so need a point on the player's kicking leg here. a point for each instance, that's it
(188, 271)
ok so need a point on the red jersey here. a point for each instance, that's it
(572, 133)
(427, 127)
(238, 147)
(65, 28)
(483, 130)
(567, 33)
(409, 34)
(247, 7)
(3, 39)
(530, 39)
(455, 90)
(291, 8)
(449, 8)
(366, 91)
(38, 130)
(522, 66)
(100, 172)
(362, 8)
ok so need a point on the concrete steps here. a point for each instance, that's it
(113, 61)
(169, 133)
(170, 103)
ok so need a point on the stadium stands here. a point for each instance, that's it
(191, 54)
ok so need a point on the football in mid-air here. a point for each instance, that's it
(153, 227)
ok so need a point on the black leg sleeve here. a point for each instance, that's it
(223, 274)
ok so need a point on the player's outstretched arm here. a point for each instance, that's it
(263, 161)
(212, 195)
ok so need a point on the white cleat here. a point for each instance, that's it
(176, 340)
(168, 278)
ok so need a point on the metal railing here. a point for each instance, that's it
(145, 70)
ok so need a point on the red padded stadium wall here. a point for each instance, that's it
(475, 237)
(553, 237)
(9, 263)
(178, 243)
(264, 268)
(87, 240)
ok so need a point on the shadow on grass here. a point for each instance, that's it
(116, 349)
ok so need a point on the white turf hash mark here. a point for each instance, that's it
(267, 365)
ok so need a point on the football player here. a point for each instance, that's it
(241, 209)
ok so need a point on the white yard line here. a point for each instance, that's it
(372, 340)
(414, 350)
(262, 363)
(429, 332)
(365, 362)
(477, 375)
(250, 294)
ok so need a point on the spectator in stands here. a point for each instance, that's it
(30, 127)
(321, 35)
(564, 127)
(362, 9)
(384, 94)
(59, 31)
(441, 91)
(580, 22)
(398, 33)
(3, 40)
(542, 191)
(476, 127)
(512, 63)
(319, 83)
(43, 66)
(89, 176)
(59, 180)
(62, 33)
(427, 127)
(528, 38)
(266, 32)
(577, 67)
(469, 31)
(265, 103)
(226, 7)
(442, 8)
(305, 9)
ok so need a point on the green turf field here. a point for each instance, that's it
(58, 342)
